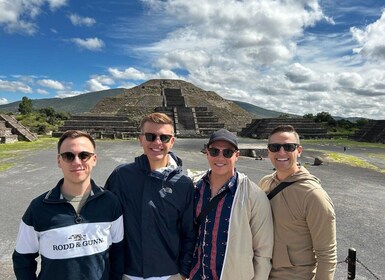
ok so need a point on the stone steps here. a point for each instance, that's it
(373, 132)
(17, 128)
(306, 128)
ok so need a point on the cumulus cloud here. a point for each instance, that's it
(91, 44)
(127, 74)
(19, 16)
(81, 21)
(248, 32)
(98, 83)
(371, 39)
(3, 101)
(65, 94)
(298, 73)
(42, 91)
(14, 86)
(51, 84)
(261, 52)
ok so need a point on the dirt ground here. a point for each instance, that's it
(358, 194)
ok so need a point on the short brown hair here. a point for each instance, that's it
(74, 134)
(285, 128)
(159, 118)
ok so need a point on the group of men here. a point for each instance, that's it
(151, 221)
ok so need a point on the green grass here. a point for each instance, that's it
(347, 159)
(343, 142)
(352, 161)
(12, 153)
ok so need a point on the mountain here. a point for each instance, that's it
(259, 112)
(85, 102)
(79, 104)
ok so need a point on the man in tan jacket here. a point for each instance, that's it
(305, 244)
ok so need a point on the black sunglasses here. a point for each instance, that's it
(70, 157)
(288, 147)
(151, 137)
(227, 153)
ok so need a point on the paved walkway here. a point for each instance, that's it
(358, 195)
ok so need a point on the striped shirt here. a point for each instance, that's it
(212, 236)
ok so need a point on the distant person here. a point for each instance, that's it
(77, 227)
(233, 216)
(157, 203)
(305, 245)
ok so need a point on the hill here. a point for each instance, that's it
(85, 102)
(259, 112)
(78, 104)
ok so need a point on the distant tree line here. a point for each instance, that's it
(334, 125)
(40, 121)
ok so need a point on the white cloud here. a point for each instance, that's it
(19, 16)
(42, 91)
(127, 74)
(262, 52)
(56, 4)
(92, 44)
(64, 94)
(81, 21)
(3, 101)
(51, 84)
(298, 73)
(14, 86)
(371, 39)
(94, 84)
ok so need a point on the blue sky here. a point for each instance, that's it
(293, 56)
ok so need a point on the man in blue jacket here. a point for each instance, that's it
(157, 205)
(77, 227)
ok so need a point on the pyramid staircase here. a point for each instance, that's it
(16, 128)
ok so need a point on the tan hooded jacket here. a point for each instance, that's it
(305, 245)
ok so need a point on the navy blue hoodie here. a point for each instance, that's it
(158, 218)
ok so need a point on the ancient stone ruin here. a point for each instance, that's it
(373, 132)
(306, 128)
(196, 112)
(11, 130)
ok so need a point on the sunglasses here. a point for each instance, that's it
(70, 157)
(288, 147)
(151, 137)
(227, 153)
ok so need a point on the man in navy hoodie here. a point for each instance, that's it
(157, 203)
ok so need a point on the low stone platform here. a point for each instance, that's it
(253, 150)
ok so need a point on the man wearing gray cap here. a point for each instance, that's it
(233, 218)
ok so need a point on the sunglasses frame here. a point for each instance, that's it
(288, 147)
(69, 157)
(227, 153)
(151, 137)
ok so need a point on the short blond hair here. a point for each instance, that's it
(159, 118)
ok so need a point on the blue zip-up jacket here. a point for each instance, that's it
(71, 246)
(158, 218)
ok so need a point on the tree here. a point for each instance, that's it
(25, 106)
(324, 117)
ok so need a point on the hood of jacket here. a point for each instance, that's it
(300, 175)
(143, 163)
